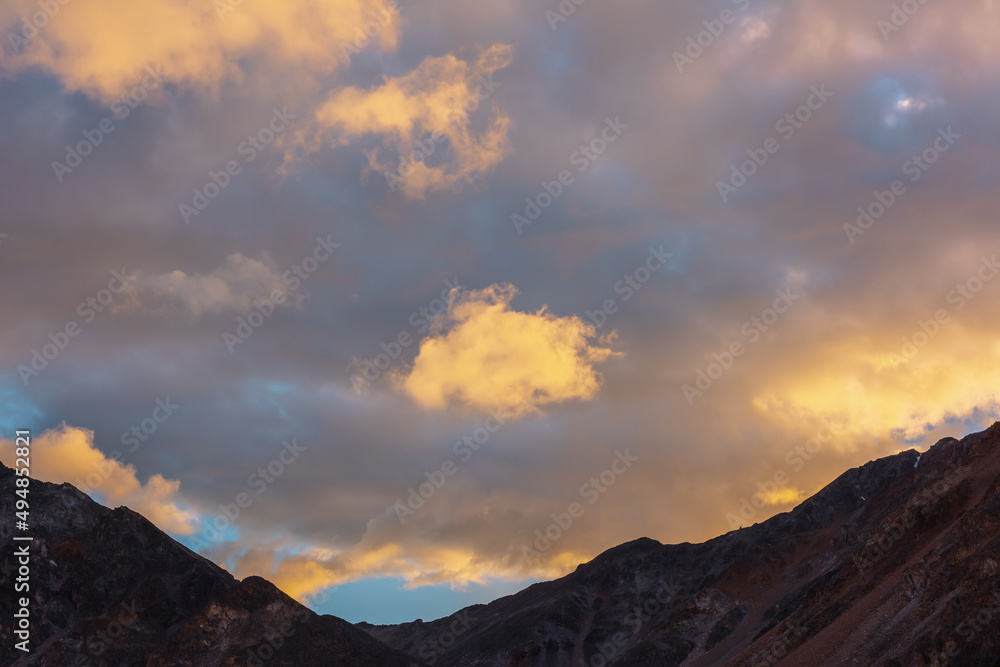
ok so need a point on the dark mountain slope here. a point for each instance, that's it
(893, 564)
(109, 588)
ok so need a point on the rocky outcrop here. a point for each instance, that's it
(108, 588)
(893, 564)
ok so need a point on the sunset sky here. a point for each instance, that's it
(678, 264)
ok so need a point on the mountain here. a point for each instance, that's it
(893, 564)
(108, 588)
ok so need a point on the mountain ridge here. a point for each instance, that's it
(761, 598)
(108, 588)
(893, 563)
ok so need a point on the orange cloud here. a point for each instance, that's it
(303, 574)
(67, 454)
(107, 48)
(481, 354)
(873, 390)
(101, 47)
(416, 112)
(784, 495)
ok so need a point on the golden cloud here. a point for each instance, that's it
(784, 495)
(416, 112)
(102, 47)
(68, 454)
(303, 574)
(482, 355)
(902, 389)
(119, 52)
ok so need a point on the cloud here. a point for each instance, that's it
(68, 454)
(481, 354)
(101, 48)
(784, 495)
(827, 357)
(302, 572)
(232, 287)
(427, 105)
(952, 378)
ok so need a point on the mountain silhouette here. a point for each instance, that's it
(894, 563)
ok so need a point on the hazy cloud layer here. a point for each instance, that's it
(237, 286)
(826, 188)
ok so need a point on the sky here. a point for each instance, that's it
(407, 306)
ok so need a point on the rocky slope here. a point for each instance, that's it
(108, 588)
(893, 564)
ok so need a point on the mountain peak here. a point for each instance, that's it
(883, 566)
(893, 563)
(97, 572)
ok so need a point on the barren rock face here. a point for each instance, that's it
(110, 589)
(892, 564)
